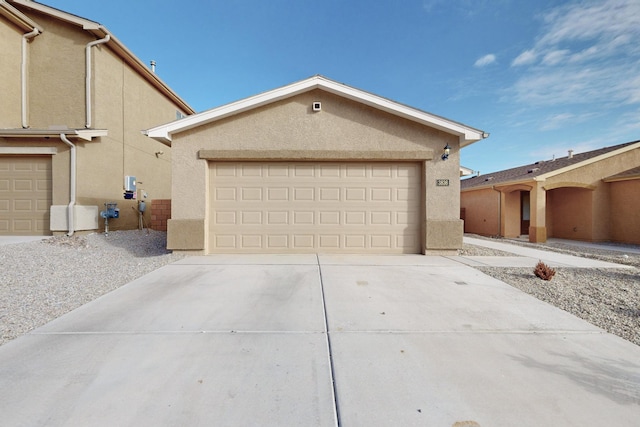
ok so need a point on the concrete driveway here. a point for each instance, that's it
(319, 341)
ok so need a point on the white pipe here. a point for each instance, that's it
(23, 74)
(88, 77)
(72, 180)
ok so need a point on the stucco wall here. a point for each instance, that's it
(56, 74)
(481, 211)
(569, 214)
(290, 126)
(123, 102)
(599, 210)
(10, 46)
(625, 211)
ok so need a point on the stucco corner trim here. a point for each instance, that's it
(284, 155)
(555, 185)
(186, 234)
(444, 235)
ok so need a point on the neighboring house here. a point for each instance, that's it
(315, 166)
(593, 196)
(73, 102)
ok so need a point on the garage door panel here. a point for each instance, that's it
(25, 195)
(332, 207)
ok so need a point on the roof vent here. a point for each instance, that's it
(533, 170)
(570, 154)
(488, 178)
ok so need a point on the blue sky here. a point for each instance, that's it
(542, 77)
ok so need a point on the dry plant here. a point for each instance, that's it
(543, 271)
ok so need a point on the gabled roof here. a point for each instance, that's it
(99, 31)
(542, 170)
(467, 134)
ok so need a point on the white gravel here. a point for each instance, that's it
(43, 280)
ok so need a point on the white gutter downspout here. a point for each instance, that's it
(88, 77)
(72, 180)
(23, 74)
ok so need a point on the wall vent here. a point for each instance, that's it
(316, 106)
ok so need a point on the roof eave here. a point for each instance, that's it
(493, 185)
(84, 134)
(589, 161)
(18, 18)
(466, 134)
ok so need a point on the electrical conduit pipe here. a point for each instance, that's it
(23, 75)
(88, 77)
(72, 181)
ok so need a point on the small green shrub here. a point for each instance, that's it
(543, 271)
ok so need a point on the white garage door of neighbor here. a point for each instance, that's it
(25, 195)
(315, 207)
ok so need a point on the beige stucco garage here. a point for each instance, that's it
(315, 166)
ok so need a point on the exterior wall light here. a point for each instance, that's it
(445, 154)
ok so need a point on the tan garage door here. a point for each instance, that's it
(25, 195)
(315, 207)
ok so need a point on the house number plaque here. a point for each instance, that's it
(442, 182)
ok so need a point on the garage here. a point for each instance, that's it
(25, 195)
(331, 207)
(315, 167)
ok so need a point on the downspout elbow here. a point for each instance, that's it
(23, 75)
(72, 183)
(88, 121)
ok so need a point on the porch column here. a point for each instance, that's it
(538, 227)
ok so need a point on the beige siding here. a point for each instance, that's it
(25, 195)
(315, 207)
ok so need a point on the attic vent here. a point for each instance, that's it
(488, 178)
(533, 170)
(317, 106)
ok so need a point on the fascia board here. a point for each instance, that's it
(164, 132)
(469, 134)
(68, 17)
(17, 18)
(494, 185)
(85, 134)
(547, 175)
(623, 178)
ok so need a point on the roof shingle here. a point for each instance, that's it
(528, 172)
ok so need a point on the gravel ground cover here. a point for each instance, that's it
(607, 298)
(42, 280)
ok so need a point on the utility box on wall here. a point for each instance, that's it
(84, 218)
(129, 187)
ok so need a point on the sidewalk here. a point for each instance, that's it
(527, 257)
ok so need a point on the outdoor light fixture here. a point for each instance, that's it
(447, 150)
